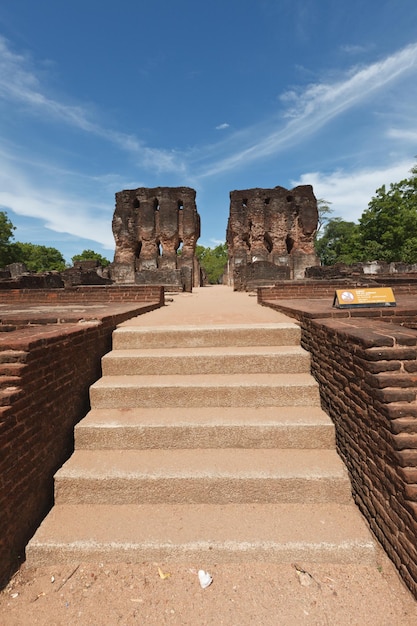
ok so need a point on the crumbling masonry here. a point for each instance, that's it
(270, 235)
(156, 231)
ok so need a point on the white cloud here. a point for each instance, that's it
(25, 193)
(351, 192)
(311, 109)
(403, 135)
(222, 126)
(19, 83)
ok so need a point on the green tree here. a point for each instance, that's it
(6, 236)
(39, 258)
(213, 261)
(390, 222)
(339, 242)
(90, 255)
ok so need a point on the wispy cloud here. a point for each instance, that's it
(353, 49)
(309, 110)
(222, 126)
(26, 193)
(20, 83)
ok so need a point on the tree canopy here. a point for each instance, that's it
(390, 221)
(90, 255)
(38, 258)
(387, 229)
(213, 261)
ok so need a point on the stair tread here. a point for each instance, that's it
(215, 351)
(204, 463)
(183, 328)
(207, 416)
(284, 333)
(206, 380)
(278, 532)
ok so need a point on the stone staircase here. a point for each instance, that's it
(204, 444)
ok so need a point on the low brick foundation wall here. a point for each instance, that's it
(86, 294)
(46, 372)
(367, 372)
(288, 289)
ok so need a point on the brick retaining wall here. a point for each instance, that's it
(368, 384)
(367, 372)
(84, 294)
(46, 372)
(284, 290)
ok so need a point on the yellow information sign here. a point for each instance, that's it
(380, 296)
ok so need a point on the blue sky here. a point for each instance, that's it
(97, 96)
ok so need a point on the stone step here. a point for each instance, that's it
(238, 390)
(233, 360)
(203, 534)
(132, 337)
(202, 476)
(206, 427)
(9, 382)
(13, 356)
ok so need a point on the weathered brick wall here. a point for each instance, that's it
(46, 373)
(325, 288)
(85, 294)
(367, 370)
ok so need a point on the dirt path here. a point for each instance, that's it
(250, 593)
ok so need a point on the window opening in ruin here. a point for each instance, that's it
(180, 205)
(160, 248)
(267, 200)
(290, 198)
(180, 246)
(136, 203)
(137, 255)
(268, 242)
(244, 203)
(289, 242)
(156, 204)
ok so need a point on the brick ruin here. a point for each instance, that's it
(156, 232)
(270, 235)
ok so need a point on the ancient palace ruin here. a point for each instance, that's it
(270, 235)
(156, 231)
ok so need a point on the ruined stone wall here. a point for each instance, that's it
(150, 226)
(275, 226)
